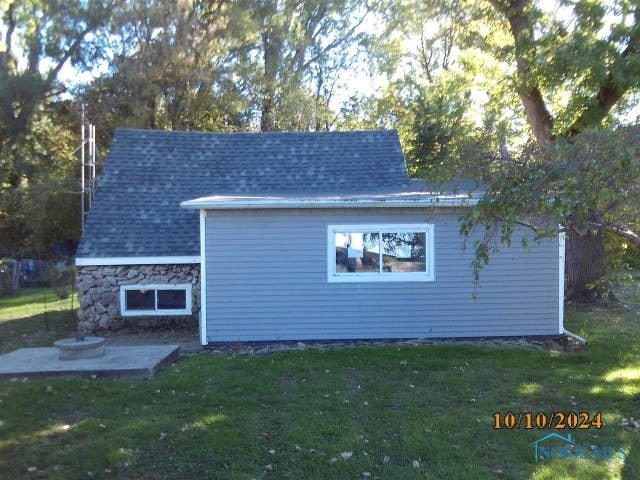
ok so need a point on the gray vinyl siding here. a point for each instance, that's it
(266, 279)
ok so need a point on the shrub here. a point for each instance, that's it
(61, 277)
(621, 254)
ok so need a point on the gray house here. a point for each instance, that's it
(296, 236)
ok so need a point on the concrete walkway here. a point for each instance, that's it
(126, 362)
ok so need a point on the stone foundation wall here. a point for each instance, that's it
(99, 294)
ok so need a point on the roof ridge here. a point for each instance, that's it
(209, 132)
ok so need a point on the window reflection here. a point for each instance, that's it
(385, 252)
(357, 252)
(404, 252)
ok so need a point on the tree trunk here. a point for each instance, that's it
(585, 267)
(272, 51)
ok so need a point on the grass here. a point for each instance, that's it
(35, 318)
(393, 412)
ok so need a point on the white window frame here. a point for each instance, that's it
(158, 313)
(426, 276)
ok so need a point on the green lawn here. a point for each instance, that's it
(394, 412)
(35, 318)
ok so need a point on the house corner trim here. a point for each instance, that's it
(203, 278)
(561, 254)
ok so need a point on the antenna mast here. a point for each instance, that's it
(87, 164)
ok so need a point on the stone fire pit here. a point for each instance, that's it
(81, 347)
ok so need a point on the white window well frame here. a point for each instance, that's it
(427, 276)
(155, 312)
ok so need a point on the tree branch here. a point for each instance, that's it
(538, 116)
(594, 225)
(623, 232)
(5, 56)
(612, 89)
(338, 41)
(53, 73)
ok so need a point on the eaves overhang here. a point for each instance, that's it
(402, 200)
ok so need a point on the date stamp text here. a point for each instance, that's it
(546, 421)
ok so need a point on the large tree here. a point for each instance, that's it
(572, 67)
(445, 95)
(555, 77)
(300, 49)
(40, 205)
(39, 39)
(171, 68)
(237, 65)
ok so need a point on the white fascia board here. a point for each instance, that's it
(110, 261)
(237, 204)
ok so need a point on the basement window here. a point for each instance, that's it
(141, 300)
(380, 253)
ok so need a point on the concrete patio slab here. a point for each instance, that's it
(130, 362)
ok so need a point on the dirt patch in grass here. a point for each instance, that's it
(558, 343)
(188, 340)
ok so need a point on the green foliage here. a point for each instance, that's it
(540, 75)
(241, 65)
(448, 139)
(46, 35)
(170, 71)
(589, 184)
(37, 208)
(469, 86)
(439, 129)
(621, 253)
(391, 108)
(39, 201)
(62, 277)
(450, 104)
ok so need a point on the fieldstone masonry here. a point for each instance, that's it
(99, 293)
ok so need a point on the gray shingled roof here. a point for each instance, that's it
(147, 174)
